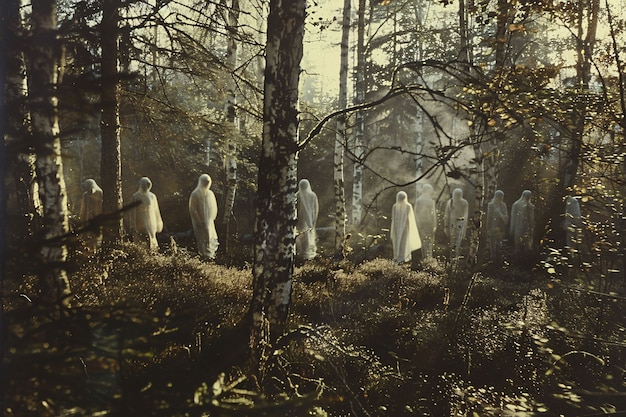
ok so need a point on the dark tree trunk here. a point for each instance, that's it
(277, 181)
(5, 20)
(502, 26)
(587, 26)
(111, 156)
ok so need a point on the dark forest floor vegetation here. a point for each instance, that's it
(158, 335)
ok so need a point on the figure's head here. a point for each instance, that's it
(304, 184)
(89, 185)
(205, 181)
(457, 194)
(498, 195)
(526, 195)
(401, 197)
(145, 184)
(427, 189)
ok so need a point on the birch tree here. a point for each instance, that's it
(20, 158)
(277, 178)
(359, 120)
(42, 82)
(230, 160)
(340, 138)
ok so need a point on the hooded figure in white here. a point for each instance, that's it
(522, 226)
(426, 219)
(404, 235)
(497, 219)
(203, 211)
(308, 210)
(572, 223)
(145, 218)
(455, 219)
(91, 206)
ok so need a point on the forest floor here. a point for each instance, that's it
(162, 335)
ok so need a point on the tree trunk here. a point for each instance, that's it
(21, 159)
(571, 152)
(230, 161)
(4, 106)
(111, 154)
(486, 151)
(419, 113)
(42, 83)
(465, 55)
(359, 123)
(277, 182)
(583, 76)
(340, 139)
(502, 25)
(475, 221)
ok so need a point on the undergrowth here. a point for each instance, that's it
(161, 335)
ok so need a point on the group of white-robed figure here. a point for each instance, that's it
(414, 229)
(411, 229)
(145, 219)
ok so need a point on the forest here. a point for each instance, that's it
(313, 208)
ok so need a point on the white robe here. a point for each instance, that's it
(497, 220)
(308, 210)
(522, 225)
(146, 217)
(405, 237)
(91, 206)
(203, 211)
(426, 219)
(572, 223)
(455, 220)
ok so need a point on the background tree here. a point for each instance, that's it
(230, 160)
(341, 137)
(359, 122)
(5, 21)
(111, 153)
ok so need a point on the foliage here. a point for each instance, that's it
(153, 334)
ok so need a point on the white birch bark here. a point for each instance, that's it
(359, 125)
(42, 81)
(340, 139)
(16, 135)
(277, 179)
(230, 160)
